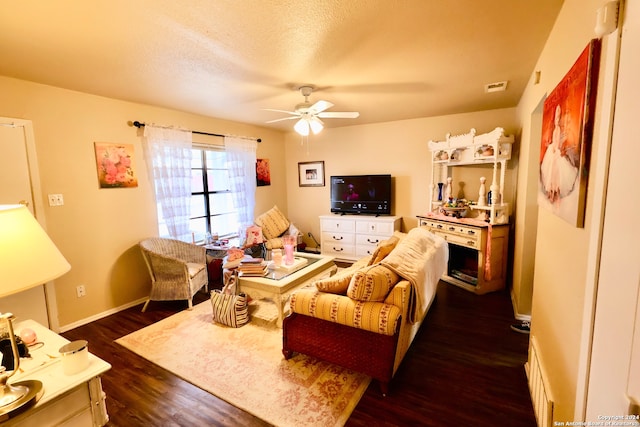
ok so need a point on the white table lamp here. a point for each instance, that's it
(28, 258)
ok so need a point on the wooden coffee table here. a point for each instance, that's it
(278, 285)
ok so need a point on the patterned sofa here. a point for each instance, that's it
(365, 317)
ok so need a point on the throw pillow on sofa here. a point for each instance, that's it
(339, 282)
(273, 223)
(372, 283)
(400, 235)
(336, 284)
(383, 249)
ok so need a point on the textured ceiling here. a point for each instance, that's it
(389, 60)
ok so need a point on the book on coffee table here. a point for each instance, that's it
(252, 261)
(253, 273)
(253, 267)
(298, 263)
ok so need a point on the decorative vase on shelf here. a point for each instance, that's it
(482, 193)
(448, 191)
(440, 185)
(495, 195)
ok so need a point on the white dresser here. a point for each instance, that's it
(353, 237)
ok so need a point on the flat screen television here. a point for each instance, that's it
(361, 194)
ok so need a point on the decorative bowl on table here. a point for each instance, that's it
(457, 208)
(456, 212)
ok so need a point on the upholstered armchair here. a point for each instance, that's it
(178, 270)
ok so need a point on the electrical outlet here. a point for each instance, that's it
(80, 291)
(56, 200)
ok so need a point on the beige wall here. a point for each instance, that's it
(614, 371)
(97, 230)
(564, 254)
(397, 148)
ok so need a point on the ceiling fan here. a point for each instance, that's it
(309, 115)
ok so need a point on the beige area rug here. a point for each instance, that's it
(245, 367)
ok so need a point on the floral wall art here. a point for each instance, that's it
(263, 172)
(115, 165)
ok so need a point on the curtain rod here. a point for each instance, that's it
(141, 124)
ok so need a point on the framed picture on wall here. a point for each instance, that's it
(115, 165)
(263, 172)
(567, 131)
(311, 174)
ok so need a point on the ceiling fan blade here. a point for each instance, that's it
(315, 119)
(284, 118)
(282, 111)
(339, 115)
(320, 106)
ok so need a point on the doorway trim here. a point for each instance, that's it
(38, 205)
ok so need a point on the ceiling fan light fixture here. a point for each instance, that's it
(316, 125)
(302, 127)
(309, 115)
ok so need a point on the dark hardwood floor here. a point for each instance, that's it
(465, 368)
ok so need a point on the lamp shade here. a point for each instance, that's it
(28, 257)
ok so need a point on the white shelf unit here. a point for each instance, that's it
(470, 149)
(351, 237)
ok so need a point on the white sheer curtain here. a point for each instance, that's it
(241, 158)
(168, 154)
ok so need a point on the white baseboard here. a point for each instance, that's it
(518, 316)
(99, 316)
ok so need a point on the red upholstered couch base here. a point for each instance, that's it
(356, 349)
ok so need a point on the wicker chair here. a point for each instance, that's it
(178, 270)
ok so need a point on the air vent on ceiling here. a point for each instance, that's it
(495, 87)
